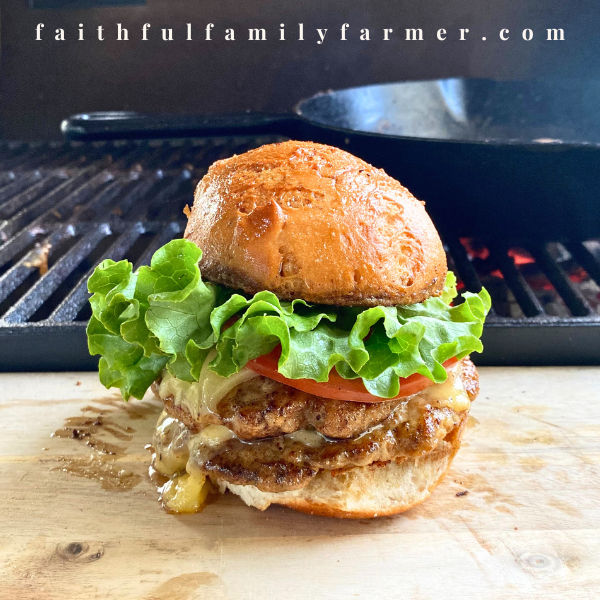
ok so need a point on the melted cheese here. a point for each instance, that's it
(185, 494)
(308, 437)
(174, 444)
(450, 394)
(202, 397)
(210, 438)
(170, 443)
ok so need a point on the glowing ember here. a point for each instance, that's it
(520, 256)
(475, 249)
(504, 302)
(578, 275)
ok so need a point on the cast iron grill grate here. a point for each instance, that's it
(64, 207)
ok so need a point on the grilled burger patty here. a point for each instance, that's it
(283, 463)
(352, 434)
(263, 408)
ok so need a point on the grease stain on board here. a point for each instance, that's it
(531, 410)
(183, 587)
(531, 464)
(564, 507)
(107, 431)
(541, 436)
(480, 487)
(133, 410)
(89, 430)
(498, 457)
(472, 422)
(102, 469)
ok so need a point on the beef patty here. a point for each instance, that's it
(263, 408)
(399, 429)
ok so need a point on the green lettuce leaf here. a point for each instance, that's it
(164, 315)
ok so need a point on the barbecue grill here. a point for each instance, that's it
(66, 206)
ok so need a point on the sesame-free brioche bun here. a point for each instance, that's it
(309, 221)
(376, 490)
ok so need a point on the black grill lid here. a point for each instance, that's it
(67, 206)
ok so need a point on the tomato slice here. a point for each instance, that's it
(337, 388)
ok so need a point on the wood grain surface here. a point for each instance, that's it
(80, 522)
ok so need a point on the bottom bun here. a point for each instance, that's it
(377, 490)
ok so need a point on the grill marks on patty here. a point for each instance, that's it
(263, 408)
(280, 464)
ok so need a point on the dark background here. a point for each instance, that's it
(42, 82)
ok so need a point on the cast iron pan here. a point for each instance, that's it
(514, 158)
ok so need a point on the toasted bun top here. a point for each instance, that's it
(310, 221)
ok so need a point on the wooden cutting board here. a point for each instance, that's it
(79, 523)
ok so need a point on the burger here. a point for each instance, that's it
(305, 338)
